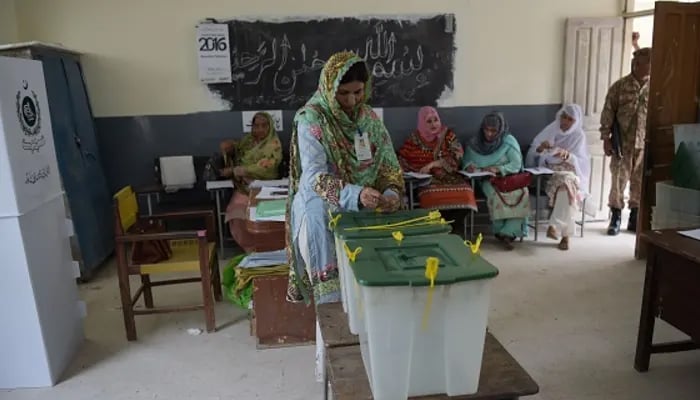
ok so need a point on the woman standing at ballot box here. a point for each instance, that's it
(342, 159)
(561, 147)
(256, 156)
(434, 149)
(493, 149)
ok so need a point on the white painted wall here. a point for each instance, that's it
(8, 21)
(141, 55)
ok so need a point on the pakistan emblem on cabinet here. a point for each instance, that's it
(29, 115)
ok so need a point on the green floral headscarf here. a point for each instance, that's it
(260, 157)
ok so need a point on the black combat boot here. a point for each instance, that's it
(632, 222)
(615, 221)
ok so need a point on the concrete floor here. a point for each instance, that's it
(570, 318)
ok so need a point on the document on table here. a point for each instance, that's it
(253, 216)
(272, 183)
(224, 184)
(476, 174)
(416, 175)
(693, 234)
(539, 171)
(272, 193)
(264, 259)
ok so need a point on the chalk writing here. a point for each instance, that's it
(33, 177)
(277, 64)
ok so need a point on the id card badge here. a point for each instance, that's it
(363, 149)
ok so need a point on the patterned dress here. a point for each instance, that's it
(448, 189)
(326, 174)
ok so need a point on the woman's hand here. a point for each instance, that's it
(544, 146)
(369, 198)
(226, 172)
(240, 172)
(563, 154)
(389, 203)
(493, 170)
(428, 167)
(471, 168)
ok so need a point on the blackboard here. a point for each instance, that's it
(276, 64)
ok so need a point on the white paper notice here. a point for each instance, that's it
(539, 171)
(693, 234)
(476, 174)
(213, 53)
(247, 117)
(416, 175)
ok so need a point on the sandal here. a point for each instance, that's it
(508, 243)
(564, 244)
(552, 233)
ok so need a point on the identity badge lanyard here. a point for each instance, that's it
(363, 149)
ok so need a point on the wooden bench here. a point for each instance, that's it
(502, 377)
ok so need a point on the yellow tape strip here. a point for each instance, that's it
(431, 271)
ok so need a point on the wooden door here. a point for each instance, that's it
(592, 63)
(674, 95)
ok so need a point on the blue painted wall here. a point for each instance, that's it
(128, 145)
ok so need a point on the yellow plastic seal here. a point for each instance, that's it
(432, 265)
(352, 254)
(398, 236)
(476, 246)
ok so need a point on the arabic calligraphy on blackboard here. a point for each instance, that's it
(277, 64)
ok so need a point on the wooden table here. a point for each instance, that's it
(502, 378)
(275, 321)
(671, 293)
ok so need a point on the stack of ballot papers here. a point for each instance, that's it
(272, 193)
(271, 210)
(264, 259)
(257, 184)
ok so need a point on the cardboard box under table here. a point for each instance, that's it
(422, 335)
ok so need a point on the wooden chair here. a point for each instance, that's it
(192, 251)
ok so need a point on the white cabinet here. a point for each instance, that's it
(41, 313)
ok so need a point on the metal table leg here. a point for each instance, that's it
(150, 205)
(410, 195)
(537, 206)
(219, 223)
(472, 212)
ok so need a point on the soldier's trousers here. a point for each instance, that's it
(629, 168)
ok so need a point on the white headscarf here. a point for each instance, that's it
(573, 141)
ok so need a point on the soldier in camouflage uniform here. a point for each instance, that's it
(626, 106)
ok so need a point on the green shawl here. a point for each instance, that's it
(260, 158)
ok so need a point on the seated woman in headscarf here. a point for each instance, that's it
(256, 156)
(495, 150)
(434, 149)
(562, 147)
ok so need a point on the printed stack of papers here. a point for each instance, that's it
(539, 171)
(272, 193)
(693, 234)
(476, 174)
(273, 183)
(264, 259)
(269, 210)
